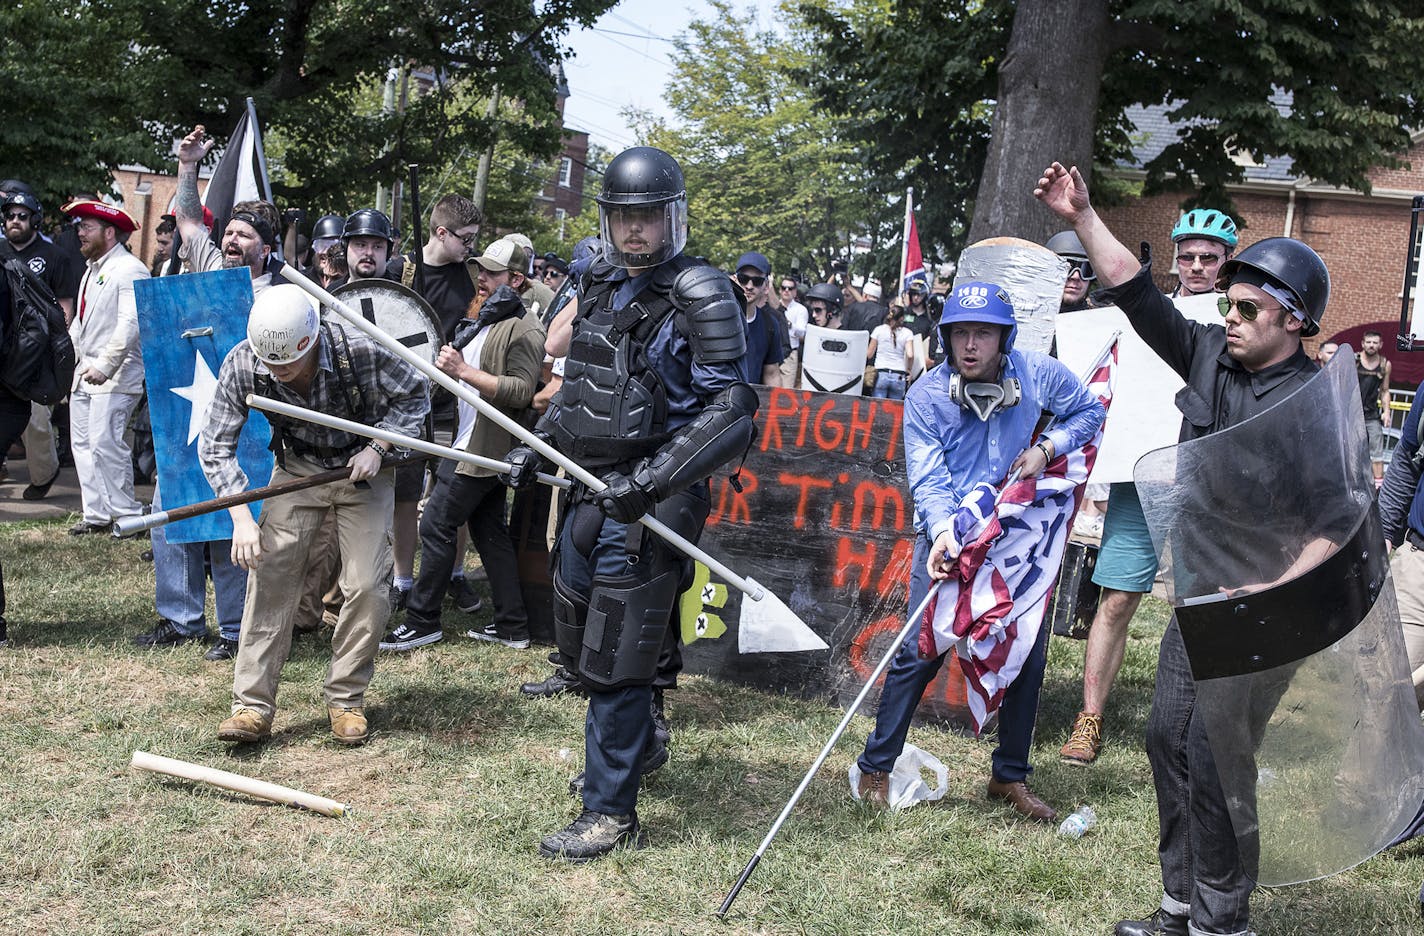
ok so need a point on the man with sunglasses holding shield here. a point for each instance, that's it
(1275, 294)
(1127, 566)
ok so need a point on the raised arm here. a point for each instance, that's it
(1065, 193)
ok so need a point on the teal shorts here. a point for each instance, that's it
(1126, 560)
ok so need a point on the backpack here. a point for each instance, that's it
(37, 357)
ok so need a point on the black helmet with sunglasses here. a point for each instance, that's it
(1286, 263)
(1067, 245)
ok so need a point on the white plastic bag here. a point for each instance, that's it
(907, 781)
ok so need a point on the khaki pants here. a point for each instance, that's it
(290, 526)
(41, 455)
(1407, 568)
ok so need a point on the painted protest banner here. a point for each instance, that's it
(1144, 415)
(825, 521)
(187, 326)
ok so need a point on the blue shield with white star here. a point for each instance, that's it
(187, 325)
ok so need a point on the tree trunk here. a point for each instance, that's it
(1047, 110)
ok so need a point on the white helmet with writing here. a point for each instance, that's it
(283, 324)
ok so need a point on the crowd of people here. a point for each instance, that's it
(637, 362)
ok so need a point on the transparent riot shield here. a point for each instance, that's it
(1273, 555)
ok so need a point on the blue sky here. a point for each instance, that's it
(624, 60)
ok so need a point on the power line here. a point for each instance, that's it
(615, 32)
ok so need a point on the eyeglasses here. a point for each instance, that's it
(467, 239)
(551, 271)
(1083, 268)
(786, 286)
(1206, 260)
(748, 280)
(18, 215)
(1248, 309)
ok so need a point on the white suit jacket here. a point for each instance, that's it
(105, 326)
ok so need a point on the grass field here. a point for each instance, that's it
(462, 777)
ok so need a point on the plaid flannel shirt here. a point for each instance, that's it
(397, 397)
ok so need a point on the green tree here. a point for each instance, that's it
(990, 92)
(135, 74)
(765, 167)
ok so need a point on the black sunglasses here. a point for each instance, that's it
(1083, 268)
(748, 280)
(20, 215)
(1248, 309)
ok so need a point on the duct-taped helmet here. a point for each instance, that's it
(1287, 263)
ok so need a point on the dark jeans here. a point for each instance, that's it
(908, 676)
(1201, 865)
(14, 416)
(619, 723)
(477, 502)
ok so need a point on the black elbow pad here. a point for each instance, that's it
(721, 432)
(709, 315)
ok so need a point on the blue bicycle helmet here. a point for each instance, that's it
(1207, 223)
(980, 302)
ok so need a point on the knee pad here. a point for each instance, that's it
(628, 618)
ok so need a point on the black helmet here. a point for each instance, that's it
(328, 226)
(368, 222)
(829, 293)
(1066, 244)
(636, 181)
(1288, 263)
(24, 199)
(14, 185)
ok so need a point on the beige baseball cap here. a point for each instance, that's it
(503, 255)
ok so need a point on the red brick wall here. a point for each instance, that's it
(1363, 243)
(147, 209)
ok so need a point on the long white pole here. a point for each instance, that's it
(749, 587)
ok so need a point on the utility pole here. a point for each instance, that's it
(487, 157)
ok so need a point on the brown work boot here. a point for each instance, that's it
(348, 725)
(1086, 741)
(1019, 796)
(244, 726)
(874, 788)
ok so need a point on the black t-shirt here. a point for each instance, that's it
(53, 266)
(448, 288)
(863, 316)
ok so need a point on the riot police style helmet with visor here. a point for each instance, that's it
(642, 210)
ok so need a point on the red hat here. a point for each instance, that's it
(99, 211)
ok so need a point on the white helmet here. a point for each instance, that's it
(282, 325)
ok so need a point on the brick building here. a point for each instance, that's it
(1362, 238)
(562, 196)
(147, 196)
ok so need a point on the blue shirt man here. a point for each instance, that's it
(971, 420)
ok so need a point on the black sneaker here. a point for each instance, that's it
(83, 528)
(222, 649)
(166, 634)
(519, 640)
(36, 492)
(399, 596)
(462, 596)
(560, 682)
(407, 636)
(593, 835)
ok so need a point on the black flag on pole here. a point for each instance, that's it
(241, 174)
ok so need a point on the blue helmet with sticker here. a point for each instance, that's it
(976, 301)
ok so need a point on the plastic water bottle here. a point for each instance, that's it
(1076, 825)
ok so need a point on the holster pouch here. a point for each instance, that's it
(570, 615)
(628, 618)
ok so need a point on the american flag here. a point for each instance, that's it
(1007, 547)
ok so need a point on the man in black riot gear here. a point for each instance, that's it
(653, 402)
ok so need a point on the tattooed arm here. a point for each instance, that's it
(188, 207)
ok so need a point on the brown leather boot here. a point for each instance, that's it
(348, 725)
(245, 725)
(874, 788)
(1086, 741)
(1019, 796)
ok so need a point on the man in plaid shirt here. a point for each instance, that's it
(291, 356)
